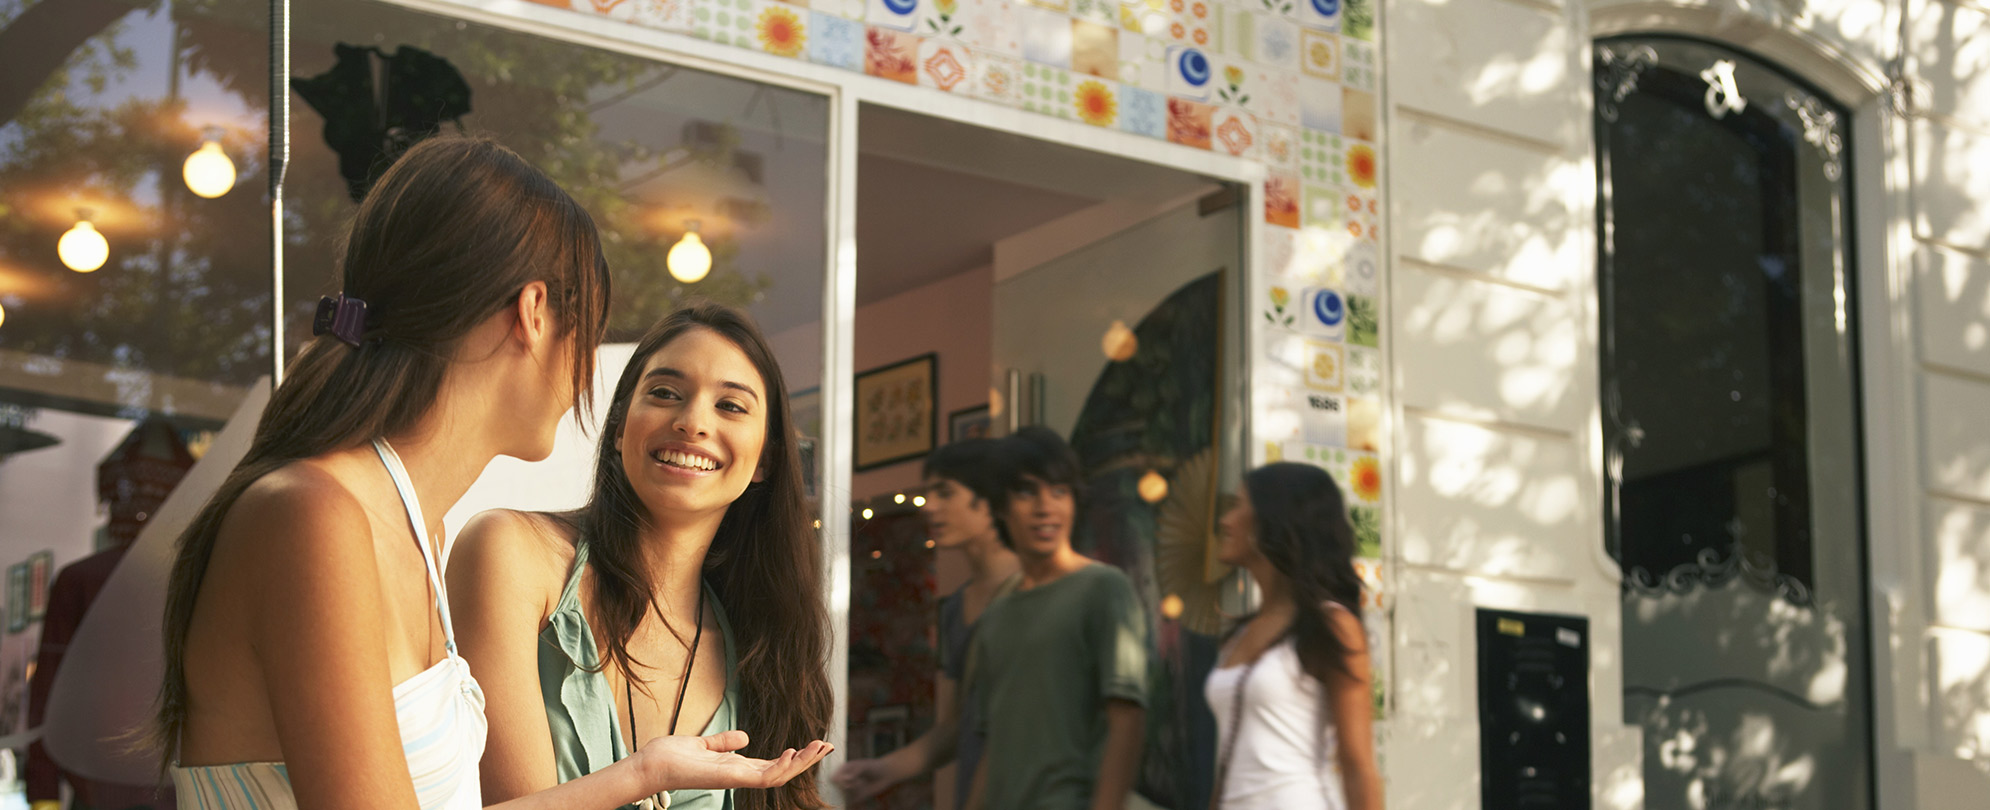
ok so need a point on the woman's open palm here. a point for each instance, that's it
(713, 763)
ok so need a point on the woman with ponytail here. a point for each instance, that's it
(684, 598)
(310, 657)
(1294, 710)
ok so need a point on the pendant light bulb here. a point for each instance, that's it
(689, 259)
(83, 249)
(3, 316)
(208, 171)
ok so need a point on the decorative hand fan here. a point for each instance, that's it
(1186, 564)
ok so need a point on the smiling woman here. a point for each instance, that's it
(697, 517)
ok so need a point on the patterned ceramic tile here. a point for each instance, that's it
(1102, 12)
(942, 19)
(1280, 249)
(1281, 200)
(835, 41)
(781, 30)
(1095, 101)
(1191, 73)
(1319, 104)
(1047, 90)
(898, 15)
(1189, 122)
(1281, 146)
(998, 78)
(1322, 417)
(1358, 19)
(945, 65)
(1146, 17)
(1363, 166)
(664, 15)
(1143, 112)
(1323, 314)
(990, 25)
(622, 10)
(1234, 131)
(1276, 41)
(1143, 62)
(1059, 6)
(1326, 366)
(845, 9)
(1364, 371)
(891, 55)
(1322, 157)
(1363, 215)
(1364, 423)
(1320, 15)
(727, 22)
(1321, 207)
(1357, 64)
(1288, 9)
(1363, 322)
(1275, 96)
(1319, 54)
(1357, 114)
(1046, 36)
(1095, 50)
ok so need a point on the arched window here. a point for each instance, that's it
(1729, 387)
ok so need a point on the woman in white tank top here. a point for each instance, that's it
(1294, 709)
(311, 660)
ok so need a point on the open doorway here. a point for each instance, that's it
(1004, 281)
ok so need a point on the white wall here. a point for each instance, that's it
(1493, 313)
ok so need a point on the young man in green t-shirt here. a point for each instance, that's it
(1058, 668)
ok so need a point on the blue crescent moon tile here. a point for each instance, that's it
(1328, 308)
(1189, 72)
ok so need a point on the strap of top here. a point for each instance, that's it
(407, 489)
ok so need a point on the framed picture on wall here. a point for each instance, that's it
(805, 410)
(968, 423)
(41, 567)
(897, 413)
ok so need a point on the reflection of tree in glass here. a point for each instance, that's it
(179, 266)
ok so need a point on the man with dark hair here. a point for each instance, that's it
(960, 485)
(1058, 668)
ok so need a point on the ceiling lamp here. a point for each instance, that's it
(1153, 488)
(82, 249)
(208, 171)
(689, 259)
(1120, 344)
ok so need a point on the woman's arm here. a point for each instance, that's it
(1352, 702)
(318, 632)
(503, 576)
(674, 763)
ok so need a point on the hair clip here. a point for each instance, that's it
(344, 317)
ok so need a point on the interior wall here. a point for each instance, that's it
(1052, 319)
(950, 318)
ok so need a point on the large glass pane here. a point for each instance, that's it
(1730, 393)
(653, 150)
(134, 293)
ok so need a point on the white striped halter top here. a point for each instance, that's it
(440, 711)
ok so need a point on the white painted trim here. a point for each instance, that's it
(839, 329)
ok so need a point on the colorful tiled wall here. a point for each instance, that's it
(1290, 83)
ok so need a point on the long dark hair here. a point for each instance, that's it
(765, 563)
(447, 238)
(1303, 531)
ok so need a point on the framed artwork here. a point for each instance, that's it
(896, 411)
(805, 411)
(968, 423)
(17, 597)
(41, 567)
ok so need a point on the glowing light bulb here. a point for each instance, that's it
(867, 514)
(1153, 487)
(3, 316)
(689, 259)
(82, 249)
(1120, 344)
(208, 171)
(1171, 606)
(918, 500)
(899, 498)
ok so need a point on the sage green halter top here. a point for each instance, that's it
(581, 710)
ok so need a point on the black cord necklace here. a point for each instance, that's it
(683, 685)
